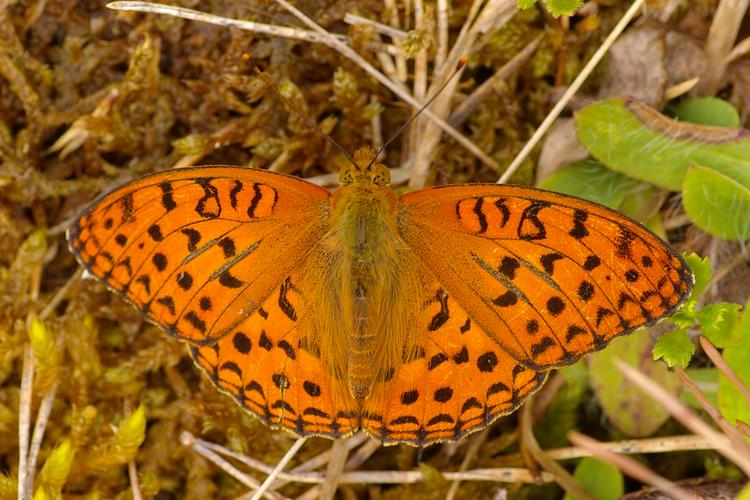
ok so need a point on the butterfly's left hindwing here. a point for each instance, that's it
(548, 277)
(198, 250)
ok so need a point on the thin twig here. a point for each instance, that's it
(721, 37)
(685, 415)
(381, 28)
(471, 453)
(740, 445)
(188, 440)
(205, 17)
(442, 29)
(24, 422)
(279, 467)
(568, 95)
(135, 487)
(463, 110)
(666, 444)
(60, 294)
(339, 452)
(42, 417)
(392, 86)
(723, 367)
(629, 466)
(562, 477)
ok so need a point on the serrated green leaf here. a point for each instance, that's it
(675, 348)
(563, 7)
(592, 181)
(622, 402)
(718, 322)
(708, 111)
(604, 481)
(717, 203)
(701, 267)
(731, 402)
(525, 4)
(631, 138)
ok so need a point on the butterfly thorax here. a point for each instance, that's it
(364, 325)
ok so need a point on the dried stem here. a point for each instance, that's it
(24, 422)
(471, 453)
(279, 467)
(339, 452)
(723, 367)
(42, 417)
(721, 36)
(629, 466)
(346, 51)
(529, 442)
(568, 95)
(471, 103)
(685, 415)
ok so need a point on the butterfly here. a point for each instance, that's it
(419, 318)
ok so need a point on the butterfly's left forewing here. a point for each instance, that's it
(197, 250)
(547, 277)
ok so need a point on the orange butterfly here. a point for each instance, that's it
(419, 318)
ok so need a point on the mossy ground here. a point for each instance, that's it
(144, 92)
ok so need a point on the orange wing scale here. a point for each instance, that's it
(264, 365)
(460, 382)
(549, 277)
(515, 281)
(191, 248)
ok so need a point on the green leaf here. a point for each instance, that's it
(592, 181)
(744, 493)
(623, 403)
(718, 322)
(708, 111)
(701, 267)
(633, 139)
(604, 481)
(555, 7)
(563, 7)
(717, 203)
(731, 402)
(525, 4)
(675, 348)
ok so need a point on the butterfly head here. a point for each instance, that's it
(365, 170)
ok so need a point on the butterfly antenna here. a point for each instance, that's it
(461, 62)
(272, 85)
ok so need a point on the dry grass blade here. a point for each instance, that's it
(189, 441)
(476, 442)
(339, 452)
(475, 99)
(42, 417)
(562, 477)
(629, 466)
(685, 415)
(738, 441)
(724, 28)
(279, 467)
(665, 444)
(346, 51)
(568, 95)
(24, 423)
(204, 17)
(723, 367)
